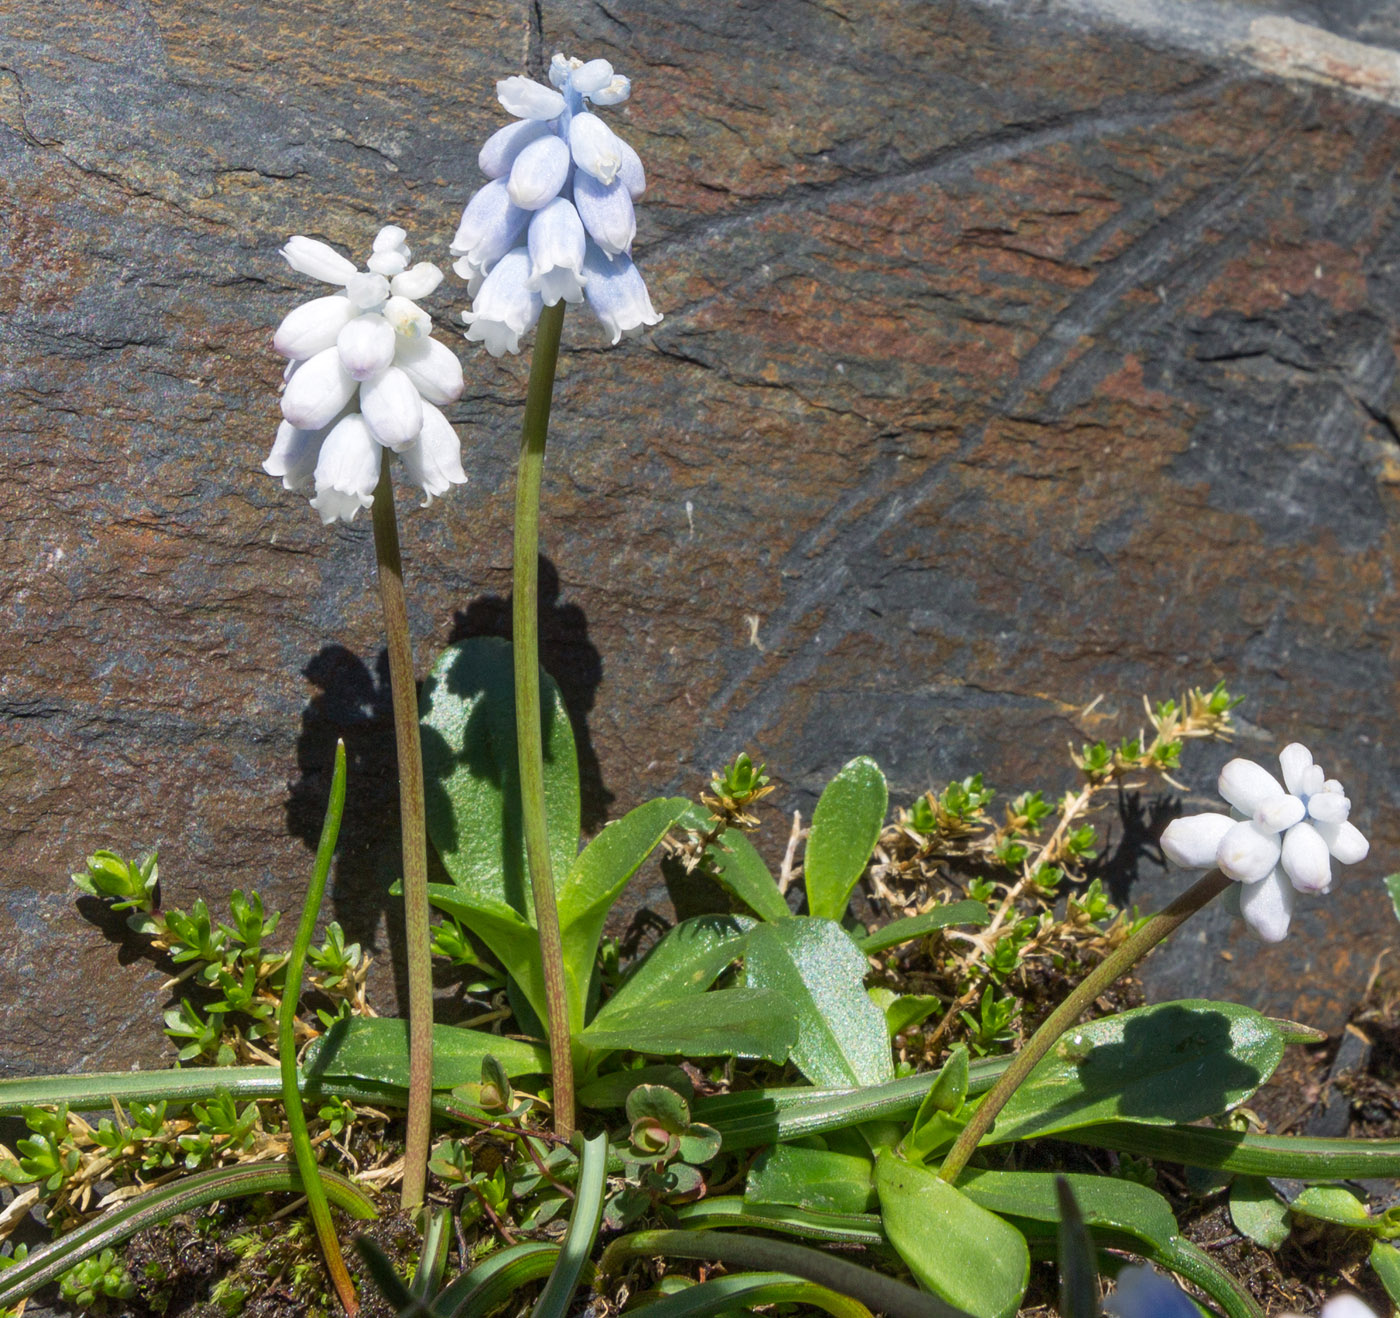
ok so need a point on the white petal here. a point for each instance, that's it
(392, 408)
(434, 460)
(1346, 1306)
(504, 307)
(1267, 907)
(491, 225)
(1246, 785)
(591, 77)
(502, 147)
(561, 69)
(310, 256)
(527, 99)
(348, 470)
(387, 264)
(312, 327)
(1328, 807)
(318, 390)
(606, 212)
(391, 238)
(595, 147)
(538, 173)
(1305, 859)
(409, 320)
(1248, 852)
(1280, 812)
(556, 245)
(1295, 760)
(293, 456)
(617, 91)
(632, 173)
(418, 282)
(366, 346)
(1193, 840)
(617, 294)
(1345, 841)
(433, 367)
(367, 291)
(1314, 779)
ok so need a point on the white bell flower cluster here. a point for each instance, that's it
(1278, 839)
(555, 221)
(365, 375)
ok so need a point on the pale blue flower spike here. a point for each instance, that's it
(364, 376)
(1281, 840)
(556, 215)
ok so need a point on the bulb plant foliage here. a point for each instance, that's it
(852, 1083)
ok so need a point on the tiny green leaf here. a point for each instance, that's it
(845, 827)
(1385, 1259)
(1258, 1212)
(916, 926)
(1330, 1203)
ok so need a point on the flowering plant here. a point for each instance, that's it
(365, 377)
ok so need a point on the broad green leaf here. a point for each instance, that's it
(1385, 1258)
(740, 1022)
(508, 935)
(376, 1048)
(1330, 1203)
(1258, 1212)
(740, 871)
(958, 1250)
(819, 1179)
(845, 827)
(688, 959)
(916, 926)
(597, 876)
(841, 1037)
(1104, 1201)
(467, 710)
(1170, 1063)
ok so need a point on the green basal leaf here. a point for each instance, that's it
(1170, 1063)
(746, 1291)
(817, 1179)
(1385, 1259)
(498, 1278)
(962, 1253)
(845, 827)
(1330, 1203)
(472, 777)
(740, 1022)
(376, 1048)
(935, 1124)
(916, 926)
(733, 1211)
(1104, 1201)
(841, 1037)
(1258, 1212)
(688, 959)
(740, 871)
(596, 878)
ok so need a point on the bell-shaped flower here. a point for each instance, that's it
(560, 193)
(1280, 838)
(365, 378)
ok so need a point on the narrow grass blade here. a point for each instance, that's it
(587, 1216)
(492, 1282)
(747, 1290)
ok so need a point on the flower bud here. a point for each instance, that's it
(318, 392)
(312, 327)
(310, 256)
(1193, 840)
(366, 346)
(392, 408)
(1248, 851)
(1246, 785)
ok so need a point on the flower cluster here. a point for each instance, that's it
(365, 376)
(1278, 838)
(556, 220)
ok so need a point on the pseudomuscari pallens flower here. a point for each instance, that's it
(365, 375)
(555, 220)
(1277, 840)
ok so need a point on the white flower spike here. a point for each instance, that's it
(364, 376)
(1279, 838)
(555, 221)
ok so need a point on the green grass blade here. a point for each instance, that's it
(749, 1289)
(316, 1203)
(182, 1196)
(916, 926)
(492, 1282)
(587, 1216)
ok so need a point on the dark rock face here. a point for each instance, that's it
(1011, 357)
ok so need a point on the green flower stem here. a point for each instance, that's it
(413, 832)
(1109, 970)
(529, 738)
(287, 1047)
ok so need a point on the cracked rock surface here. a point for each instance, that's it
(1013, 355)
